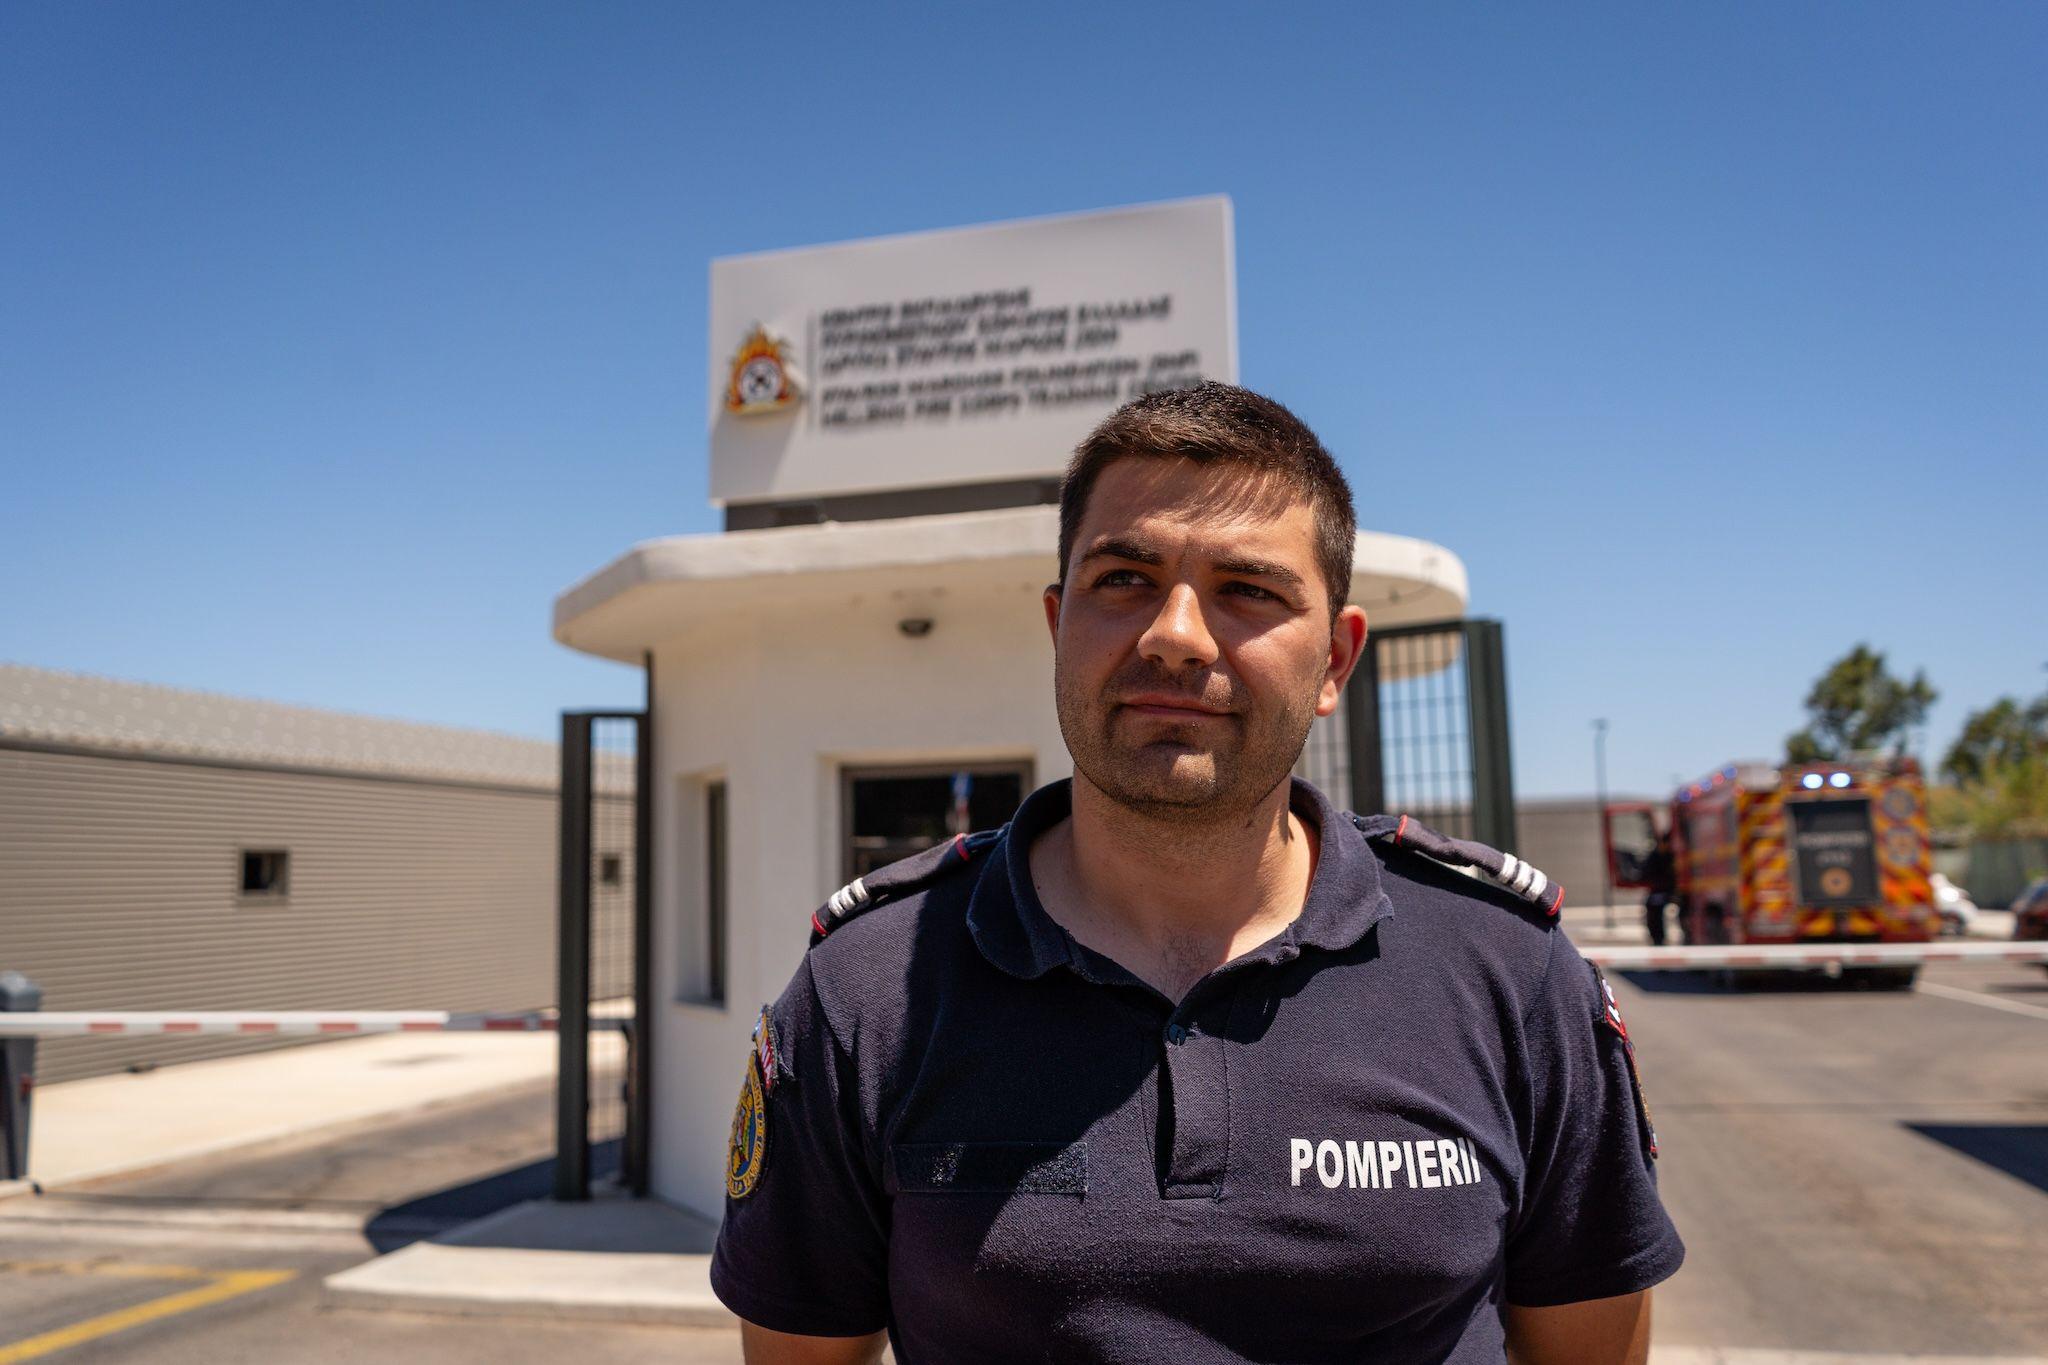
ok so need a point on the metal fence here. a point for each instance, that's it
(604, 944)
(1424, 730)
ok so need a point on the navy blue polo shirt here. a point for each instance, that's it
(1356, 1141)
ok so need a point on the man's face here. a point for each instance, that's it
(1193, 643)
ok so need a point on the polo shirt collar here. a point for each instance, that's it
(1013, 931)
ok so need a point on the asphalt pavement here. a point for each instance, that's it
(1852, 1171)
(219, 1260)
(1858, 1175)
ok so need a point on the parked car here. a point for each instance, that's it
(2030, 911)
(1953, 903)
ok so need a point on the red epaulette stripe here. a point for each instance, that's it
(960, 845)
(818, 927)
(1557, 901)
(1399, 828)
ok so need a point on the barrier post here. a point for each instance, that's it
(572, 946)
(18, 994)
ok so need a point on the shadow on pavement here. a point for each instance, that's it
(1773, 981)
(2020, 1150)
(1673, 983)
(417, 1219)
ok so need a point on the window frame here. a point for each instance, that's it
(702, 901)
(1022, 766)
(279, 890)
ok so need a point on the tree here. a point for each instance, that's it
(1857, 706)
(2003, 734)
(1999, 768)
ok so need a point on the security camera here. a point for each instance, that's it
(916, 627)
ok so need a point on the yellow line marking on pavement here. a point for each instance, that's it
(1989, 1002)
(118, 1269)
(224, 1285)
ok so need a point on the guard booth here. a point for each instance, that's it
(857, 666)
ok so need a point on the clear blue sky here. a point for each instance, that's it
(337, 338)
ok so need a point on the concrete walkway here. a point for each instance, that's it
(105, 1126)
(614, 1258)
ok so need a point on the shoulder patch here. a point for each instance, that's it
(746, 1148)
(1504, 870)
(1610, 1015)
(900, 879)
(764, 1049)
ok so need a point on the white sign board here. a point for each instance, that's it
(964, 356)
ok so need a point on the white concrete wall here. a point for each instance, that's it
(777, 701)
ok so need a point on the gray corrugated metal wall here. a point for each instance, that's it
(119, 889)
(1561, 835)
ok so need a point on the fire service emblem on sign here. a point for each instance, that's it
(763, 379)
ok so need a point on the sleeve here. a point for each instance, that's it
(1590, 1224)
(803, 1247)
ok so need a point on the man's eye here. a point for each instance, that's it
(1252, 590)
(1120, 578)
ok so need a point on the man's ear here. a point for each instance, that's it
(1051, 601)
(1348, 636)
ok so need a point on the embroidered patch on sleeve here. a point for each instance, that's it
(1611, 1016)
(764, 1050)
(746, 1151)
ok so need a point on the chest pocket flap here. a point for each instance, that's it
(991, 1167)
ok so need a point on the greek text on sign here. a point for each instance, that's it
(964, 356)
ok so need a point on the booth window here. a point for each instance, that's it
(891, 813)
(266, 873)
(703, 919)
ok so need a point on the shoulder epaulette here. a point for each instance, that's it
(1504, 870)
(899, 879)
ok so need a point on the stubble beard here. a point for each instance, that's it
(1205, 772)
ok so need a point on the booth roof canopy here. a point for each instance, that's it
(659, 588)
(77, 710)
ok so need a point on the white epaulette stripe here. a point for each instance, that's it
(847, 897)
(1538, 886)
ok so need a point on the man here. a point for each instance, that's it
(1660, 878)
(1183, 1064)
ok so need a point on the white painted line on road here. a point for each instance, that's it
(143, 1023)
(1989, 1002)
(1768, 956)
(61, 1210)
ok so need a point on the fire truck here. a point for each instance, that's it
(1813, 853)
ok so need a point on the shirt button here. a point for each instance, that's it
(1176, 1034)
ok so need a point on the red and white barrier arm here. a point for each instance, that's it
(135, 1024)
(1770, 956)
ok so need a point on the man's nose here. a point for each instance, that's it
(1178, 636)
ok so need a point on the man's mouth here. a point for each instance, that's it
(1170, 707)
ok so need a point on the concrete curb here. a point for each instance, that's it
(573, 1286)
(611, 1258)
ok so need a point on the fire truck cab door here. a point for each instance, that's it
(1629, 831)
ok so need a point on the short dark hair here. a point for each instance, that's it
(1214, 423)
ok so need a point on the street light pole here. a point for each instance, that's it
(1600, 804)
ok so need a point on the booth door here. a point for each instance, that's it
(891, 813)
